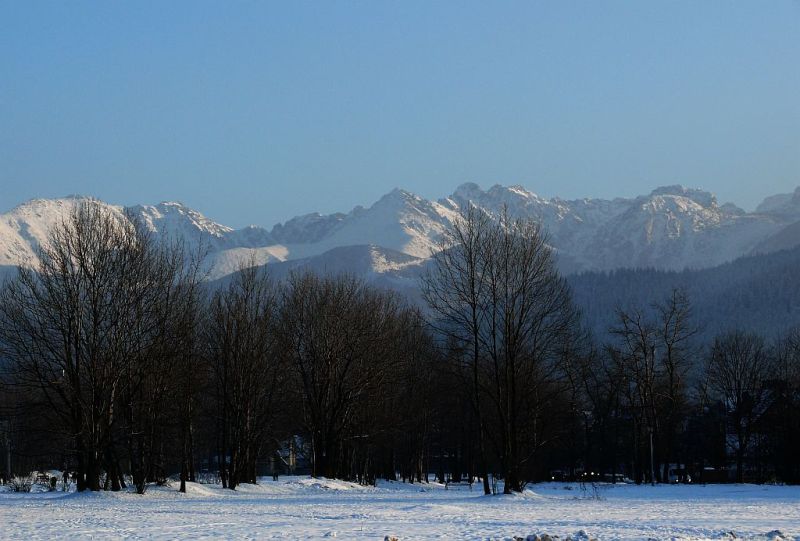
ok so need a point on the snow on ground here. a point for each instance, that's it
(305, 508)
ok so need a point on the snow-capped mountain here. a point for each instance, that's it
(399, 221)
(675, 228)
(27, 226)
(670, 228)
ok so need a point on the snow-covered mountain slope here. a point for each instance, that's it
(26, 227)
(670, 228)
(674, 228)
(399, 221)
(380, 267)
(377, 265)
(225, 248)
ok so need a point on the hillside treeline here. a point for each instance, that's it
(121, 367)
(760, 293)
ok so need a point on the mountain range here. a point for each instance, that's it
(739, 268)
(672, 228)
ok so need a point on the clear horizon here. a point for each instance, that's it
(253, 113)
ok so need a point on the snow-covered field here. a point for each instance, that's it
(304, 508)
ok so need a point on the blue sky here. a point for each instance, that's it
(253, 112)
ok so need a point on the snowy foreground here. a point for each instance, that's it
(304, 508)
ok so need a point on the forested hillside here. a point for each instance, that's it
(759, 294)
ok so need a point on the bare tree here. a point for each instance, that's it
(654, 350)
(454, 289)
(337, 334)
(635, 357)
(188, 376)
(675, 334)
(737, 369)
(408, 396)
(246, 370)
(530, 324)
(75, 327)
(495, 288)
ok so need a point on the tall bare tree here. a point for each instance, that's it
(337, 334)
(530, 324)
(675, 334)
(455, 288)
(495, 287)
(737, 370)
(246, 371)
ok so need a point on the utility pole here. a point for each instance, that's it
(6, 428)
(651, 367)
(652, 467)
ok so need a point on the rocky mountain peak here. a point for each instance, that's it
(701, 197)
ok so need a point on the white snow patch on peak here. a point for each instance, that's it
(470, 191)
(519, 190)
(172, 204)
(701, 197)
(37, 205)
(175, 217)
(500, 191)
(398, 199)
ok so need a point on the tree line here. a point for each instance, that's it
(759, 293)
(121, 366)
